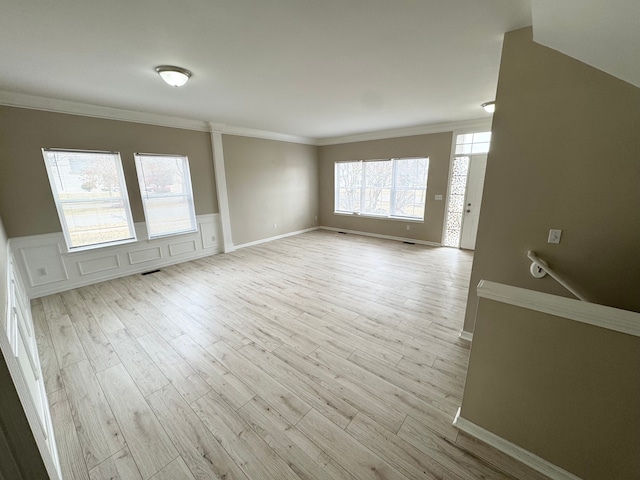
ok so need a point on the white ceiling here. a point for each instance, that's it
(602, 33)
(311, 68)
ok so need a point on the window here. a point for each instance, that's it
(167, 198)
(473, 143)
(91, 197)
(385, 188)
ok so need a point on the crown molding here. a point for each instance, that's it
(34, 102)
(22, 100)
(478, 123)
(264, 134)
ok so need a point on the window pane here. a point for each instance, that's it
(473, 143)
(167, 197)
(348, 186)
(90, 223)
(378, 177)
(90, 195)
(410, 187)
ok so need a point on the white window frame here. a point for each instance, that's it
(393, 188)
(144, 193)
(124, 196)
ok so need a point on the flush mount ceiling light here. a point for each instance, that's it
(174, 76)
(489, 107)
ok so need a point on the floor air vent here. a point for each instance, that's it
(150, 272)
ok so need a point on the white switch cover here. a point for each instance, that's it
(438, 197)
(554, 236)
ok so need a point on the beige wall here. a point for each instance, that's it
(565, 154)
(26, 202)
(435, 146)
(565, 391)
(270, 182)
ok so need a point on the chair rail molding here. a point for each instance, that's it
(601, 316)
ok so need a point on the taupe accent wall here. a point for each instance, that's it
(566, 391)
(565, 154)
(436, 146)
(270, 182)
(26, 201)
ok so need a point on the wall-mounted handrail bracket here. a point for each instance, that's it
(540, 268)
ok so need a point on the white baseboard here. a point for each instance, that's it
(524, 456)
(386, 237)
(47, 268)
(466, 336)
(271, 239)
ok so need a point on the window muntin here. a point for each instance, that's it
(385, 188)
(167, 195)
(90, 194)
(473, 143)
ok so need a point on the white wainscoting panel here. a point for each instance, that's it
(96, 265)
(181, 248)
(209, 234)
(145, 255)
(43, 263)
(43, 259)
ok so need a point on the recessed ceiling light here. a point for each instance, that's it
(174, 76)
(489, 107)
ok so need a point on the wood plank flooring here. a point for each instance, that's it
(320, 356)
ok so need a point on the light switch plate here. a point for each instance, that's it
(554, 236)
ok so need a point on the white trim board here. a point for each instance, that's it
(386, 237)
(466, 336)
(622, 321)
(524, 456)
(277, 237)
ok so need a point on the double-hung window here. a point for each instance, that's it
(167, 196)
(394, 188)
(91, 197)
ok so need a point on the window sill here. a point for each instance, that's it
(100, 245)
(380, 217)
(172, 234)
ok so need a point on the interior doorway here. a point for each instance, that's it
(464, 198)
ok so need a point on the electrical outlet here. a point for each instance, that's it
(438, 197)
(554, 236)
(42, 272)
(316, 218)
(408, 227)
(275, 226)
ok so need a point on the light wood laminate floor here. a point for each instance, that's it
(319, 356)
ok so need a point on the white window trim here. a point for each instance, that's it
(391, 188)
(192, 210)
(60, 210)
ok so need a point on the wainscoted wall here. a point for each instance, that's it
(47, 268)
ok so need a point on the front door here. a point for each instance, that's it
(473, 199)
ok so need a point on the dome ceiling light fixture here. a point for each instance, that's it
(174, 76)
(489, 107)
